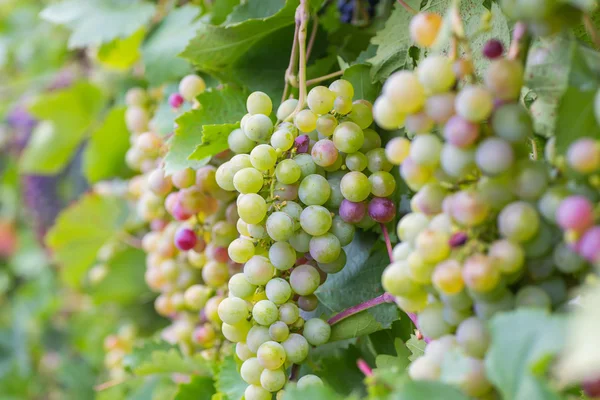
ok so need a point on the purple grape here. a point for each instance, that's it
(185, 239)
(352, 212)
(589, 245)
(176, 100)
(382, 210)
(460, 132)
(458, 239)
(493, 49)
(576, 213)
(301, 144)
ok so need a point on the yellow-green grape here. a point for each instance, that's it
(397, 280)
(397, 149)
(383, 184)
(286, 109)
(196, 296)
(258, 128)
(239, 286)
(411, 225)
(236, 333)
(447, 277)
(356, 161)
(259, 103)
(386, 115)
(436, 74)
(348, 137)
(480, 274)
(272, 380)
(296, 348)
(320, 100)
(252, 208)
(263, 157)
(342, 105)
(240, 143)
(314, 190)
(507, 257)
(191, 86)
(420, 270)
(504, 78)
(306, 121)
(233, 310)
(432, 245)
(282, 139)
(241, 250)
(326, 124)
(264, 312)
(242, 351)
(355, 186)
(248, 180)
(405, 92)
(316, 331)
(136, 96)
(136, 119)
(424, 28)
(372, 140)
(474, 103)
(415, 303)
(258, 270)
(342, 87)
(251, 371)
(361, 114)
(215, 274)
(271, 355)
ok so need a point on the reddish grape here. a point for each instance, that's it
(460, 132)
(589, 245)
(576, 213)
(185, 239)
(301, 144)
(493, 49)
(382, 210)
(352, 212)
(176, 100)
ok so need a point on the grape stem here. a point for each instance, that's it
(407, 7)
(302, 15)
(520, 42)
(364, 367)
(384, 298)
(313, 81)
(295, 371)
(313, 36)
(591, 30)
(388, 242)
(289, 72)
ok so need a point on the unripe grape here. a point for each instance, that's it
(507, 257)
(342, 87)
(457, 162)
(480, 274)
(494, 156)
(429, 199)
(424, 369)
(316, 331)
(252, 208)
(282, 255)
(248, 180)
(411, 225)
(242, 351)
(447, 277)
(584, 155)
(533, 297)
(236, 333)
(468, 208)
(136, 119)
(286, 109)
(348, 137)
(436, 74)
(278, 290)
(257, 335)
(405, 91)
(425, 150)
(326, 124)
(258, 270)
(240, 287)
(159, 183)
(191, 86)
(280, 226)
(320, 100)
(300, 241)
(288, 172)
(355, 186)
(296, 348)
(259, 103)
(431, 321)
(271, 355)
(309, 380)
(272, 380)
(512, 122)
(241, 250)
(251, 371)
(397, 150)
(325, 248)
(258, 128)
(315, 220)
(361, 114)
(415, 175)
(396, 279)
(306, 121)
(289, 313)
(473, 337)
(136, 96)
(377, 161)
(304, 279)
(335, 266)
(265, 312)
(504, 78)
(196, 296)
(424, 28)
(386, 115)
(474, 103)
(232, 310)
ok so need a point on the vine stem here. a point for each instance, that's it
(313, 81)
(591, 30)
(289, 72)
(313, 36)
(384, 298)
(520, 42)
(407, 7)
(364, 367)
(388, 242)
(302, 15)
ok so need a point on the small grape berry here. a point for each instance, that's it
(176, 100)
(493, 49)
(185, 239)
(382, 210)
(301, 143)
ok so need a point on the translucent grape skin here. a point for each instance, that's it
(316, 331)
(460, 132)
(518, 221)
(382, 209)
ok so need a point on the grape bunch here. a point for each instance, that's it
(354, 9)
(117, 346)
(304, 185)
(485, 231)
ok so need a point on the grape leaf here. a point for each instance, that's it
(159, 52)
(214, 140)
(221, 9)
(515, 353)
(254, 9)
(69, 113)
(199, 388)
(121, 53)
(429, 390)
(416, 347)
(228, 380)
(217, 48)
(341, 372)
(320, 392)
(225, 106)
(159, 357)
(94, 22)
(124, 283)
(81, 230)
(104, 155)
(359, 76)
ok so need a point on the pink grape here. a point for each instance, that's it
(185, 239)
(176, 100)
(460, 132)
(301, 143)
(352, 212)
(382, 210)
(576, 213)
(584, 155)
(324, 153)
(589, 245)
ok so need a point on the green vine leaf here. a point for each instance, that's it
(416, 347)
(311, 392)
(121, 54)
(412, 390)
(159, 357)
(516, 358)
(228, 380)
(81, 230)
(359, 76)
(199, 388)
(214, 140)
(94, 22)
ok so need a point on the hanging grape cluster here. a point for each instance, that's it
(485, 231)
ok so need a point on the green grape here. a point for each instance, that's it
(549, 202)
(401, 251)
(326, 124)
(397, 280)
(251, 371)
(279, 331)
(411, 225)
(257, 335)
(447, 277)
(240, 287)
(215, 274)
(383, 184)
(309, 380)
(325, 248)
(425, 150)
(224, 176)
(252, 208)
(567, 260)
(460, 301)
(396, 150)
(273, 380)
(486, 310)
(436, 74)
(454, 317)
(316, 331)
(405, 92)
(472, 380)
(336, 197)
(437, 349)
(474, 103)
(191, 86)
(556, 288)
(248, 180)
(223, 233)
(473, 337)
(518, 221)
(296, 348)
(286, 109)
(233, 310)
(504, 78)
(320, 100)
(533, 297)
(289, 313)
(280, 226)
(355, 186)
(424, 369)
(288, 172)
(196, 296)
(386, 115)
(292, 209)
(508, 257)
(431, 321)
(361, 114)
(420, 270)
(314, 190)
(512, 122)
(335, 266)
(259, 103)
(308, 303)
(541, 243)
(285, 192)
(258, 270)
(432, 245)
(457, 162)
(263, 157)
(304, 279)
(480, 273)
(342, 87)
(282, 139)
(315, 220)
(377, 161)
(496, 191)
(306, 164)
(342, 230)
(256, 392)
(278, 290)
(258, 128)
(241, 250)
(300, 241)
(256, 231)
(265, 312)
(271, 355)
(429, 199)
(494, 156)
(236, 333)
(530, 180)
(242, 351)
(337, 164)
(342, 105)
(282, 255)
(306, 121)
(240, 143)
(348, 137)
(356, 161)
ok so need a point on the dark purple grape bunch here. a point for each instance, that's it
(350, 8)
